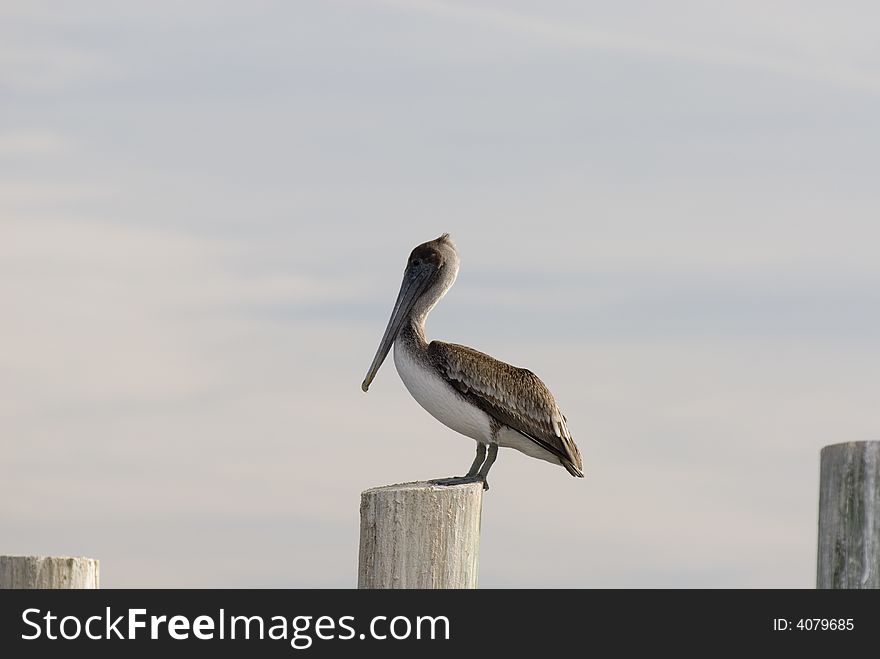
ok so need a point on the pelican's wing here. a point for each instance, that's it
(513, 396)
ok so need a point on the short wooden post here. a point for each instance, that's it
(48, 572)
(417, 535)
(849, 516)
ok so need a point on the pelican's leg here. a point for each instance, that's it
(477, 472)
(487, 465)
(478, 461)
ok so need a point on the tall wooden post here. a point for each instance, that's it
(417, 535)
(48, 572)
(849, 516)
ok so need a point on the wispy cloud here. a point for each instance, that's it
(33, 68)
(572, 35)
(25, 143)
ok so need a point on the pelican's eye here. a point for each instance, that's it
(417, 262)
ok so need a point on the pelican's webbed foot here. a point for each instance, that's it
(461, 480)
(479, 469)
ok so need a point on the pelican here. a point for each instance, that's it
(492, 402)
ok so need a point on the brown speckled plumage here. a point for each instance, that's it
(514, 397)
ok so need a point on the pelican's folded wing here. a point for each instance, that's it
(513, 396)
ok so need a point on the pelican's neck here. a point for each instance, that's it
(413, 332)
(415, 324)
(414, 327)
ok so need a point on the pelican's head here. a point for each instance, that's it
(430, 270)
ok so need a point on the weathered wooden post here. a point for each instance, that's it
(849, 516)
(417, 535)
(48, 572)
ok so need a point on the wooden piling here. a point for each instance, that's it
(849, 516)
(48, 572)
(417, 535)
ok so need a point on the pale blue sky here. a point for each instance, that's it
(670, 214)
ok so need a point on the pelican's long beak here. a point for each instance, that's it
(415, 282)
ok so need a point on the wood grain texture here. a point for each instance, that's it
(417, 535)
(48, 572)
(849, 516)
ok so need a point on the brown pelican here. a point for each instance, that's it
(483, 398)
